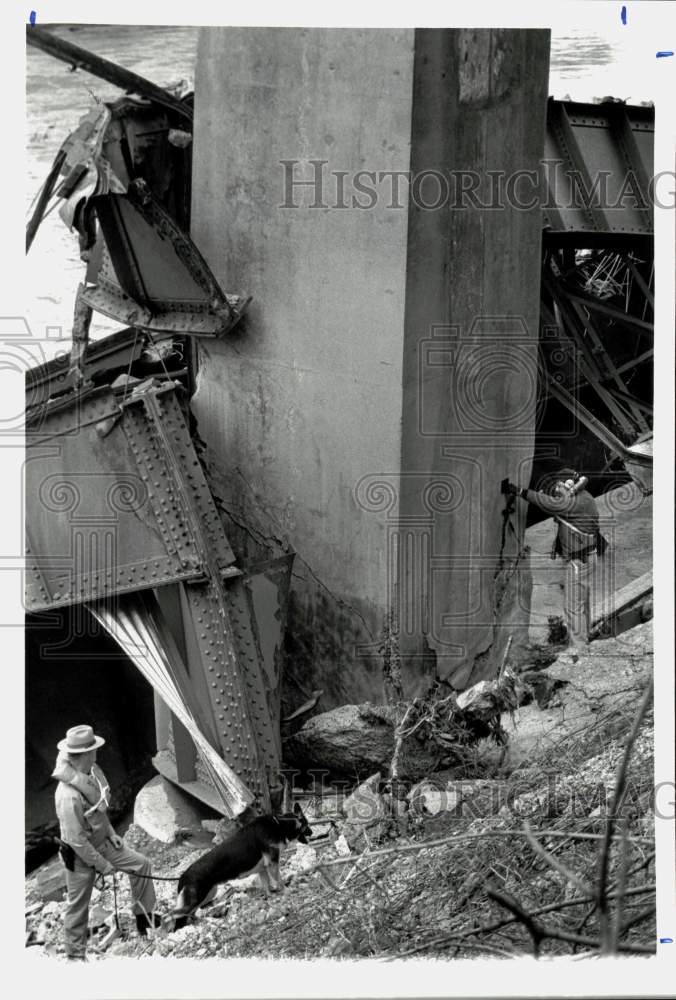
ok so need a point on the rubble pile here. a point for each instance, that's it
(361, 739)
(399, 867)
(393, 904)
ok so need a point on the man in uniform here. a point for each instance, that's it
(90, 844)
(578, 540)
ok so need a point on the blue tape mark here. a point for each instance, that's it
(32, 17)
(666, 940)
(663, 55)
(623, 15)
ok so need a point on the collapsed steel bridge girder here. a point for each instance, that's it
(117, 503)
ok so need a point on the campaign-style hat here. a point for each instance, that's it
(80, 739)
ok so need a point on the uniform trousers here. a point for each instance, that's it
(80, 883)
(577, 598)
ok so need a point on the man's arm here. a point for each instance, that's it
(71, 818)
(549, 504)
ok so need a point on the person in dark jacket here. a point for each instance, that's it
(578, 541)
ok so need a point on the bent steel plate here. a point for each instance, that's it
(112, 503)
(152, 275)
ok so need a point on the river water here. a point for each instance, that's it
(584, 66)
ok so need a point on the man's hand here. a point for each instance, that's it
(508, 489)
(108, 870)
(116, 840)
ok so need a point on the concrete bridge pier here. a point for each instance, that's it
(470, 342)
(374, 191)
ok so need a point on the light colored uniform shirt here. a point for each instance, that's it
(81, 808)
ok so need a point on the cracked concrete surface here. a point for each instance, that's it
(372, 402)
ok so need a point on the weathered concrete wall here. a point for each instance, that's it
(323, 431)
(470, 349)
(305, 403)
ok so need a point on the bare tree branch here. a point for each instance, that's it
(638, 890)
(621, 887)
(620, 782)
(638, 919)
(540, 932)
(644, 863)
(553, 862)
(424, 845)
(398, 741)
(533, 926)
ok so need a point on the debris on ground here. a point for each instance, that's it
(445, 866)
(431, 732)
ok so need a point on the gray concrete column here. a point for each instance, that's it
(470, 342)
(324, 433)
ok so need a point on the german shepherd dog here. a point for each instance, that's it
(254, 848)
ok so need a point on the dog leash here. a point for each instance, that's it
(155, 878)
(102, 887)
(158, 878)
(117, 916)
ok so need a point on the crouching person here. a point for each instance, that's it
(90, 844)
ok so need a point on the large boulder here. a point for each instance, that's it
(357, 740)
(165, 812)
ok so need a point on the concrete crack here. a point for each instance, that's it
(256, 535)
(338, 600)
